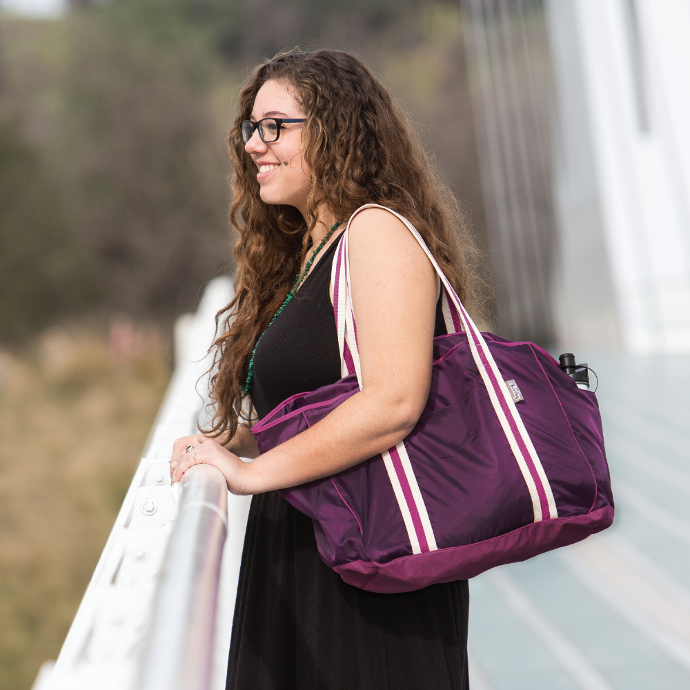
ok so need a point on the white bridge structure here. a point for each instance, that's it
(158, 610)
(581, 111)
(622, 192)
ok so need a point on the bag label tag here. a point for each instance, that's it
(514, 390)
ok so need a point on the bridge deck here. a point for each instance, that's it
(612, 613)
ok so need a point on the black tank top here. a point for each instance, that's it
(299, 352)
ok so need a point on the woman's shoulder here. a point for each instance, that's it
(376, 213)
(380, 239)
(374, 224)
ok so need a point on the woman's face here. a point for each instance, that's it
(282, 173)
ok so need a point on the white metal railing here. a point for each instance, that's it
(159, 532)
(178, 652)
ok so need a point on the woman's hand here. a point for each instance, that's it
(199, 450)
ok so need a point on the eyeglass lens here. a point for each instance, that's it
(268, 130)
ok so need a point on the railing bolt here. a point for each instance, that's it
(140, 553)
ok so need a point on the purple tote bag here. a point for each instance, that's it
(506, 462)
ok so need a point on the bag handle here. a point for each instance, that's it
(458, 318)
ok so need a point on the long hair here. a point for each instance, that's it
(360, 148)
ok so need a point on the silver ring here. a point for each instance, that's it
(194, 457)
(188, 448)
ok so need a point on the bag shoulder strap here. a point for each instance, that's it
(451, 315)
(501, 399)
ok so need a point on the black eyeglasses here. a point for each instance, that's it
(269, 128)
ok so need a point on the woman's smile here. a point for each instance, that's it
(267, 167)
(265, 170)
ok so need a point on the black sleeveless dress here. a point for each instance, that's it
(297, 625)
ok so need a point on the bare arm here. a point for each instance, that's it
(394, 292)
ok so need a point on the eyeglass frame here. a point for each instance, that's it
(257, 125)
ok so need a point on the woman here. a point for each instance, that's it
(316, 137)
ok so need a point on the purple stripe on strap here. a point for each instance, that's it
(409, 499)
(349, 362)
(543, 501)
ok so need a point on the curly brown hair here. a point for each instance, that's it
(360, 148)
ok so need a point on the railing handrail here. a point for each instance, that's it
(178, 651)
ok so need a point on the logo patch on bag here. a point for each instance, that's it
(514, 390)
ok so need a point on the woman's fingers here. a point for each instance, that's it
(183, 442)
(184, 446)
(212, 453)
(192, 439)
(201, 454)
(199, 450)
(179, 466)
(188, 456)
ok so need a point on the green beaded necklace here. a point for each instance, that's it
(299, 279)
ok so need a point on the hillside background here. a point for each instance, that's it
(113, 204)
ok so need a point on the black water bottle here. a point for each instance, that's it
(578, 372)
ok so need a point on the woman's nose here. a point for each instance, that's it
(255, 144)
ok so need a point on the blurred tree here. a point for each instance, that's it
(141, 95)
(148, 163)
(246, 31)
(43, 270)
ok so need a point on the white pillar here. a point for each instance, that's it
(623, 176)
